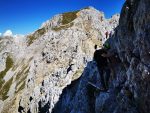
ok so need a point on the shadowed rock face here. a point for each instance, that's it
(47, 72)
(132, 42)
(49, 59)
(129, 87)
(50, 69)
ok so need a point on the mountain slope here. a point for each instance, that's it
(130, 81)
(45, 62)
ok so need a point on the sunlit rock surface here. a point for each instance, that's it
(34, 69)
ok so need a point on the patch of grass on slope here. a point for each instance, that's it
(34, 36)
(66, 19)
(5, 89)
(21, 87)
(62, 27)
(21, 78)
(9, 64)
(69, 17)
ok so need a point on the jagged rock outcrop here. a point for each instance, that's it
(48, 76)
(79, 97)
(130, 81)
(37, 67)
(132, 43)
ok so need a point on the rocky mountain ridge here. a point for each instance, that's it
(129, 83)
(53, 74)
(37, 67)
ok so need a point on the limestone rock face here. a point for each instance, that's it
(129, 84)
(34, 69)
(52, 71)
(132, 42)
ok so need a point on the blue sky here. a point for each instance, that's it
(25, 16)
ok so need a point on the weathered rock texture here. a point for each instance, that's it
(47, 74)
(34, 69)
(129, 85)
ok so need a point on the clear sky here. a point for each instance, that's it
(25, 16)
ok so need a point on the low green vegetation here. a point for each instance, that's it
(14, 67)
(27, 71)
(41, 31)
(9, 64)
(34, 36)
(1, 82)
(21, 78)
(69, 17)
(62, 27)
(22, 72)
(21, 87)
(31, 39)
(4, 90)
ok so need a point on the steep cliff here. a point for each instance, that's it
(52, 69)
(129, 85)
(34, 69)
